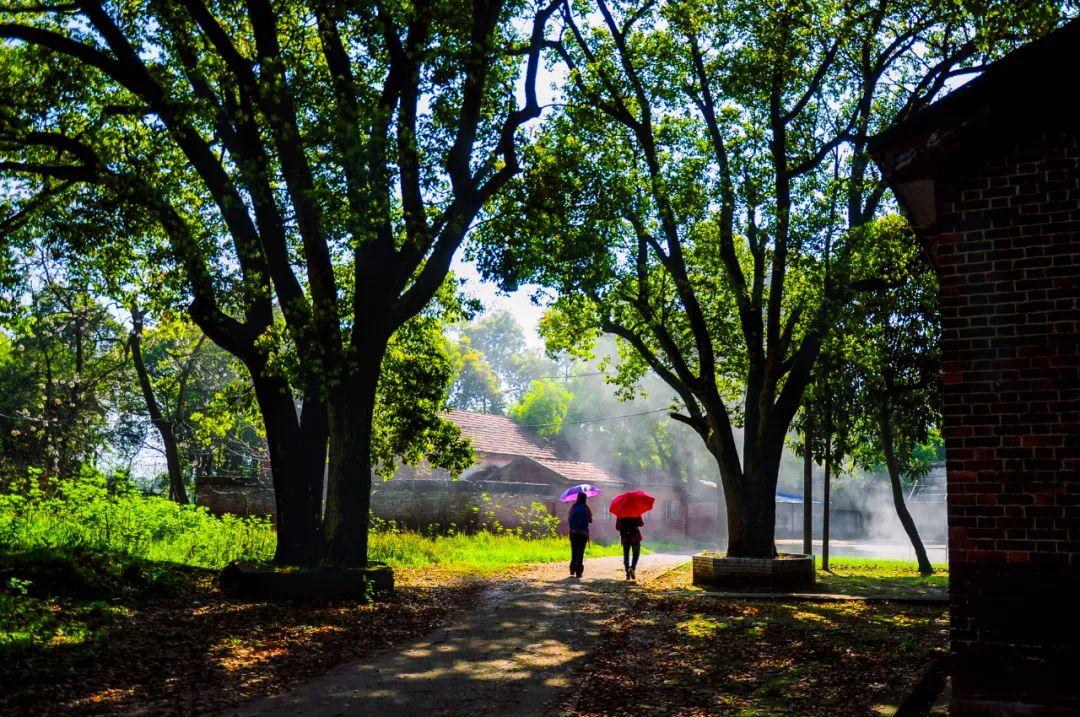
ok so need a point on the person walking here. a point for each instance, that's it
(630, 533)
(580, 518)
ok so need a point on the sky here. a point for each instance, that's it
(517, 303)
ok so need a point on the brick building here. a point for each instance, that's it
(990, 178)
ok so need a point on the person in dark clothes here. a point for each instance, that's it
(629, 531)
(580, 517)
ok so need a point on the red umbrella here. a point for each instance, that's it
(631, 504)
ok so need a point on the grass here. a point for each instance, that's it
(861, 577)
(750, 658)
(864, 576)
(482, 552)
(85, 515)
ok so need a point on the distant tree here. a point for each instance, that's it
(476, 387)
(501, 341)
(543, 408)
(63, 362)
(830, 405)
(166, 414)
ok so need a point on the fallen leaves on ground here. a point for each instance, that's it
(693, 656)
(196, 650)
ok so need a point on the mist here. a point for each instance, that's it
(639, 438)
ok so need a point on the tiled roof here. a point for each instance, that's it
(498, 434)
(579, 471)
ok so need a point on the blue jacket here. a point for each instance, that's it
(580, 517)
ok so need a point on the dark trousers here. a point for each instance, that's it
(578, 541)
(626, 548)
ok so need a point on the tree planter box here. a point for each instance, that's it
(263, 582)
(786, 571)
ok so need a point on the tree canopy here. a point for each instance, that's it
(308, 168)
(699, 193)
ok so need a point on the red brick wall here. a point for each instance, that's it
(1006, 242)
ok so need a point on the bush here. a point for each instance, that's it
(89, 514)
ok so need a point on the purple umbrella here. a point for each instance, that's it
(571, 494)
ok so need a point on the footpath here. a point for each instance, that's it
(514, 654)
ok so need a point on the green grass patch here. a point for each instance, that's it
(87, 516)
(863, 577)
(867, 576)
(482, 551)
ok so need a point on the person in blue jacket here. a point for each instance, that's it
(580, 517)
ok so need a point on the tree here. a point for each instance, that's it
(895, 354)
(476, 387)
(828, 408)
(544, 407)
(164, 417)
(683, 199)
(501, 341)
(312, 168)
(61, 368)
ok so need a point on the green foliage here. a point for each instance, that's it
(88, 514)
(476, 386)
(544, 407)
(417, 371)
(536, 522)
(493, 364)
(62, 370)
(892, 348)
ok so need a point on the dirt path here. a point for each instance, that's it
(512, 655)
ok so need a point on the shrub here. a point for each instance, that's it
(89, 514)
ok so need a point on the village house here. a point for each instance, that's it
(516, 468)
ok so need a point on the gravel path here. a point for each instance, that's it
(513, 654)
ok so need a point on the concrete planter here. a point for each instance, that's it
(321, 583)
(787, 571)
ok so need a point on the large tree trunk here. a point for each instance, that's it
(751, 505)
(721, 512)
(294, 456)
(314, 437)
(885, 426)
(177, 490)
(348, 495)
(752, 517)
(808, 491)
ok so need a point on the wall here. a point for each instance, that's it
(221, 496)
(1007, 247)
(466, 505)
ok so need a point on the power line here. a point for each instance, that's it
(594, 420)
(567, 376)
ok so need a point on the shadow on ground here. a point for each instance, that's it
(518, 651)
